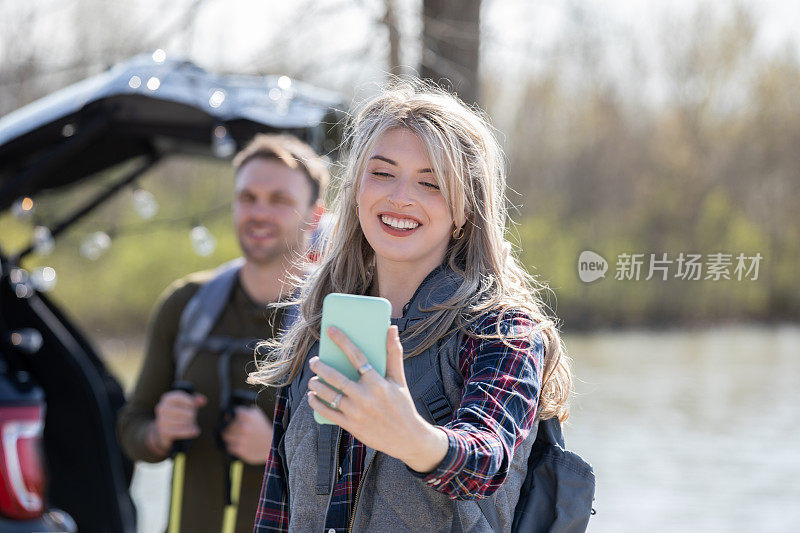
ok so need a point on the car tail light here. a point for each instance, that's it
(21, 461)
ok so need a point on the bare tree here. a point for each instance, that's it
(451, 42)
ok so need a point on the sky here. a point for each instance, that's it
(338, 44)
(518, 36)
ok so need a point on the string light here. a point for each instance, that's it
(20, 282)
(23, 208)
(203, 242)
(217, 98)
(43, 242)
(282, 94)
(222, 144)
(95, 245)
(28, 340)
(144, 203)
(44, 278)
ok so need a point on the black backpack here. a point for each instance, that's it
(559, 485)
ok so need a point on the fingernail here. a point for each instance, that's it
(332, 330)
(313, 361)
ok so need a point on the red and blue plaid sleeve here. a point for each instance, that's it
(273, 503)
(497, 410)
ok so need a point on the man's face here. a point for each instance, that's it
(272, 210)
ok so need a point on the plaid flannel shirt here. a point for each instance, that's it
(497, 412)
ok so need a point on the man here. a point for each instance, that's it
(279, 183)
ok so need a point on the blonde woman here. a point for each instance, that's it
(420, 221)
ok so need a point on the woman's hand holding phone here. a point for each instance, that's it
(377, 411)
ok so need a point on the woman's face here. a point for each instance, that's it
(402, 211)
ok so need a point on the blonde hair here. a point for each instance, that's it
(469, 168)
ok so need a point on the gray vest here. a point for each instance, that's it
(390, 499)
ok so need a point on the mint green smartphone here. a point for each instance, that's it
(365, 320)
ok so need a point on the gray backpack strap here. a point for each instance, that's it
(202, 312)
(424, 378)
(299, 385)
(327, 439)
(428, 393)
(328, 434)
(423, 372)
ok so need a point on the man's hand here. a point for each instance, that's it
(176, 419)
(249, 436)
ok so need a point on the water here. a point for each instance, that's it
(690, 431)
(687, 431)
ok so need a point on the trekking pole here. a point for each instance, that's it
(178, 452)
(236, 466)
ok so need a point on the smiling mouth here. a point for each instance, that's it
(400, 224)
(261, 233)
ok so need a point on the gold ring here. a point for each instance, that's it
(363, 369)
(336, 400)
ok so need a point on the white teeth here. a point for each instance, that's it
(260, 232)
(399, 223)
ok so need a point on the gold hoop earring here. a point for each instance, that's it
(458, 232)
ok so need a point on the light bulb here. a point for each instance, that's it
(217, 98)
(144, 203)
(95, 245)
(21, 283)
(43, 242)
(203, 242)
(222, 144)
(44, 278)
(285, 83)
(28, 340)
(23, 208)
(282, 95)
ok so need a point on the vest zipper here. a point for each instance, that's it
(358, 492)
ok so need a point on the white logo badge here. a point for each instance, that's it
(591, 266)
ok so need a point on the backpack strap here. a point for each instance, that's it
(424, 378)
(202, 312)
(327, 441)
(328, 435)
(428, 394)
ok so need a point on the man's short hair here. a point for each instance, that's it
(292, 152)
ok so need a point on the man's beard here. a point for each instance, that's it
(282, 251)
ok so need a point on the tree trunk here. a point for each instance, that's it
(390, 20)
(450, 45)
